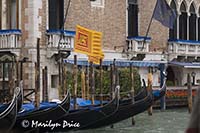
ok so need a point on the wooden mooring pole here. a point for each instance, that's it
(101, 82)
(150, 80)
(37, 76)
(83, 83)
(114, 78)
(75, 81)
(87, 83)
(92, 82)
(189, 86)
(45, 84)
(111, 81)
(65, 81)
(132, 89)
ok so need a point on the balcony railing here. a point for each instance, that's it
(184, 47)
(10, 39)
(138, 45)
(60, 39)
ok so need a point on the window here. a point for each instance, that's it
(183, 22)
(199, 28)
(192, 23)
(173, 32)
(132, 18)
(97, 3)
(0, 14)
(56, 14)
(54, 81)
(12, 12)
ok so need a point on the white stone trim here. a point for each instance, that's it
(98, 3)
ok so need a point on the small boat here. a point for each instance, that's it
(157, 94)
(125, 111)
(32, 119)
(9, 114)
(78, 118)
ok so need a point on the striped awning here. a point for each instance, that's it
(186, 64)
(120, 63)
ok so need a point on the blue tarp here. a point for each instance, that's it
(83, 102)
(119, 63)
(29, 107)
(156, 93)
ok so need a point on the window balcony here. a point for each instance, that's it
(135, 44)
(59, 40)
(10, 41)
(183, 48)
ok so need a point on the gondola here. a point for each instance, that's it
(141, 94)
(8, 116)
(30, 120)
(157, 94)
(79, 118)
(125, 110)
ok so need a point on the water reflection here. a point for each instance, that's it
(169, 121)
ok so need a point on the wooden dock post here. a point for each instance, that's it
(101, 82)
(45, 84)
(11, 78)
(92, 82)
(132, 89)
(37, 76)
(75, 81)
(189, 86)
(87, 83)
(65, 81)
(111, 81)
(114, 78)
(17, 73)
(83, 83)
(150, 80)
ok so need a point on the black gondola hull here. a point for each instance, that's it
(28, 121)
(124, 111)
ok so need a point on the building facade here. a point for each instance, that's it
(124, 24)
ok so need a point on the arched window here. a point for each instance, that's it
(192, 23)
(132, 18)
(173, 32)
(183, 22)
(199, 27)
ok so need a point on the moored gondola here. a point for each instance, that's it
(30, 120)
(9, 114)
(124, 111)
(80, 118)
(157, 94)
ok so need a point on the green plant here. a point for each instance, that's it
(124, 81)
(170, 83)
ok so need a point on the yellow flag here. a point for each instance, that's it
(89, 42)
(83, 40)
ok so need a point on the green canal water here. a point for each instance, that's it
(169, 121)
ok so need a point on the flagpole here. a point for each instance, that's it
(148, 28)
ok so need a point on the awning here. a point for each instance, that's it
(186, 64)
(120, 63)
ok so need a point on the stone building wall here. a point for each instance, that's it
(110, 19)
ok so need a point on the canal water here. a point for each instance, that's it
(169, 121)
